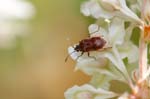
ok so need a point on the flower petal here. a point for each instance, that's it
(130, 51)
(116, 31)
(90, 66)
(88, 92)
(92, 8)
(73, 53)
(93, 28)
(120, 9)
(101, 81)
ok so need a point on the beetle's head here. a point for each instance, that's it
(77, 48)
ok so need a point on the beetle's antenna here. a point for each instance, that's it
(68, 56)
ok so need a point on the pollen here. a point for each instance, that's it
(147, 33)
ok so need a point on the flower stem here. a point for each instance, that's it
(142, 58)
(142, 48)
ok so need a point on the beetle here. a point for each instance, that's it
(88, 45)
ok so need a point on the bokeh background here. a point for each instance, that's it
(32, 65)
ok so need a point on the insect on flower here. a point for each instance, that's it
(89, 44)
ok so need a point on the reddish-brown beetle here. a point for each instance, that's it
(89, 44)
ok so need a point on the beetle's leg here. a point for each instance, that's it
(79, 56)
(91, 56)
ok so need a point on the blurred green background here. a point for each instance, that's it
(35, 68)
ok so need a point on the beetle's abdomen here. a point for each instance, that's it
(98, 43)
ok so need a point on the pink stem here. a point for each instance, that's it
(142, 58)
(142, 47)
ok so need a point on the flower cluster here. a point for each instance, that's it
(14, 15)
(125, 64)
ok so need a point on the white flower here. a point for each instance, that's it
(92, 8)
(13, 14)
(119, 62)
(98, 9)
(88, 92)
(115, 38)
(16, 9)
(120, 9)
(112, 5)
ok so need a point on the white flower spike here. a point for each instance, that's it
(127, 61)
